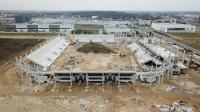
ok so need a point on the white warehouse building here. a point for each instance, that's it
(144, 22)
(21, 28)
(43, 28)
(173, 27)
(117, 30)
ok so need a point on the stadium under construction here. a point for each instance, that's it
(58, 60)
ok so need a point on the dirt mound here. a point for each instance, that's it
(94, 48)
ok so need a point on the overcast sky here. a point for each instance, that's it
(74, 5)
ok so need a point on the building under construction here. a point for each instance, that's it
(58, 61)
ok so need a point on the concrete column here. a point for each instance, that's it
(87, 79)
(28, 79)
(103, 80)
(135, 66)
(159, 79)
(135, 35)
(177, 51)
(118, 80)
(162, 77)
(39, 76)
(156, 66)
(70, 80)
(183, 56)
(21, 73)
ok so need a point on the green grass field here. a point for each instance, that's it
(1, 27)
(187, 35)
(191, 39)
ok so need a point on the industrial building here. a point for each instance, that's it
(81, 26)
(117, 30)
(144, 22)
(21, 27)
(32, 28)
(39, 28)
(88, 28)
(43, 28)
(10, 28)
(173, 27)
(7, 20)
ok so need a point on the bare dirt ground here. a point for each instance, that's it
(17, 96)
(9, 48)
(25, 37)
(95, 61)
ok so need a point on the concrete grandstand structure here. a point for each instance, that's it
(44, 56)
(95, 38)
(39, 65)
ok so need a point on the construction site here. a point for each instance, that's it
(111, 74)
(98, 73)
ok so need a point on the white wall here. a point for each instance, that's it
(164, 27)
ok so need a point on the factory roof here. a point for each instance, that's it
(95, 38)
(45, 55)
(117, 29)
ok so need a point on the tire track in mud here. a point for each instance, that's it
(55, 106)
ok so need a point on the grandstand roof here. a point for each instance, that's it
(142, 57)
(95, 38)
(45, 55)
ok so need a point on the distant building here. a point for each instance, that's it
(165, 20)
(43, 28)
(173, 27)
(119, 30)
(144, 22)
(32, 28)
(54, 28)
(7, 20)
(88, 28)
(21, 28)
(192, 16)
(22, 18)
(95, 17)
(197, 28)
(10, 28)
(81, 26)
(38, 28)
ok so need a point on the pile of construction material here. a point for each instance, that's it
(94, 48)
(174, 107)
(73, 61)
